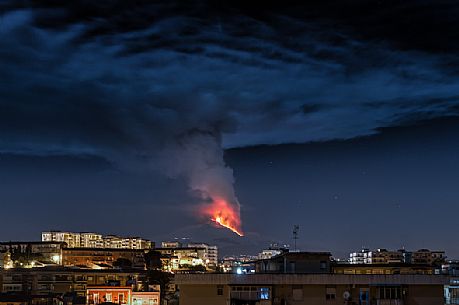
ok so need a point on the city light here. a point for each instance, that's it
(56, 259)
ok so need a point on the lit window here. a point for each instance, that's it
(264, 293)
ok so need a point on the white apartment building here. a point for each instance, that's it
(269, 253)
(95, 240)
(71, 239)
(383, 256)
(210, 253)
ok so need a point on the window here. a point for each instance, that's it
(330, 293)
(364, 296)
(323, 265)
(264, 293)
(120, 298)
(219, 289)
(108, 297)
(390, 293)
(96, 298)
(297, 292)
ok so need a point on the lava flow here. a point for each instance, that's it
(225, 215)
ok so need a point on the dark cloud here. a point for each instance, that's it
(168, 86)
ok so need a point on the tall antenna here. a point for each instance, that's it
(296, 230)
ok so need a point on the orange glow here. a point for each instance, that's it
(225, 215)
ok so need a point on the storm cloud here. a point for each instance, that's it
(166, 88)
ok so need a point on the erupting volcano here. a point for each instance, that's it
(225, 214)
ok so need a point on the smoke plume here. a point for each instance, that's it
(168, 88)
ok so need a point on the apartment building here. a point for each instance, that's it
(317, 289)
(102, 258)
(61, 280)
(210, 254)
(189, 257)
(29, 254)
(122, 295)
(384, 256)
(95, 240)
(389, 268)
(296, 262)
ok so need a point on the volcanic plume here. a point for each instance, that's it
(198, 156)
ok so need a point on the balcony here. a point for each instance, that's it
(246, 295)
(389, 302)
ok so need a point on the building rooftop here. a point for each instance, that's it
(311, 279)
(7, 243)
(60, 269)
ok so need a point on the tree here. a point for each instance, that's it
(122, 263)
(157, 277)
(153, 260)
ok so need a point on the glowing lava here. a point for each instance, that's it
(225, 214)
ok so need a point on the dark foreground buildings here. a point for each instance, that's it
(314, 289)
(312, 278)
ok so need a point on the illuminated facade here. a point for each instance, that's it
(383, 256)
(193, 256)
(95, 240)
(122, 295)
(210, 254)
(184, 258)
(31, 254)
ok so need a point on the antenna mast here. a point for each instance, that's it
(296, 229)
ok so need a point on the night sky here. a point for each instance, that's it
(128, 117)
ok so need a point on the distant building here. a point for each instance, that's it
(91, 240)
(29, 254)
(296, 262)
(41, 254)
(171, 244)
(182, 259)
(383, 256)
(103, 258)
(210, 254)
(273, 250)
(425, 256)
(71, 239)
(190, 257)
(268, 253)
(389, 268)
(451, 268)
(95, 240)
(359, 257)
(5, 259)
